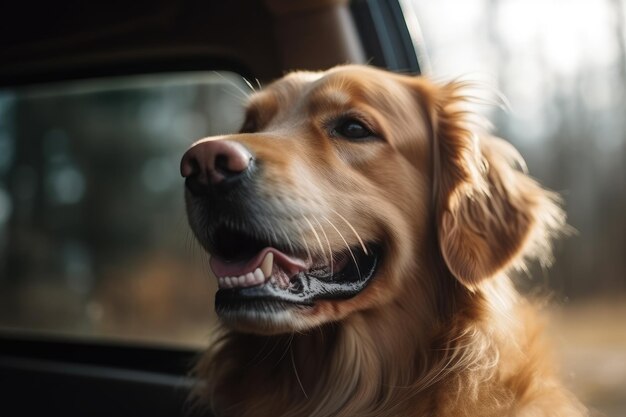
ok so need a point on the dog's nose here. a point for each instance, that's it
(214, 162)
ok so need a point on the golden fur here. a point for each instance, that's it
(440, 331)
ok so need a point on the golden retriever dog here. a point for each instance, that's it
(361, 231)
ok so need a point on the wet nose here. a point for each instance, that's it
(214, 162)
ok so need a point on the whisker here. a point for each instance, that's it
(306, 245)
(286, 350)
(284, 234)
(267, 354)
(295, 371)
(248, 84)
(330, 252)
(238, 97)
(353, 230)
(259, 352)
(319, 241)
(258, 83)
(232, 83)
(301, 233)
(347, 246)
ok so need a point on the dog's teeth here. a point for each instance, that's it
(268, 263)
(228, 282)
(220, 282)
(250, 280)
(241, 280)
(259, 278)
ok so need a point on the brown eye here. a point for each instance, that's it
(352, 129)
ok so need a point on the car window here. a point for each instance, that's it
(93, 235)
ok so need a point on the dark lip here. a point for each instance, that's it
(305, 288)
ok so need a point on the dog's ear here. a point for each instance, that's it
(490, 215)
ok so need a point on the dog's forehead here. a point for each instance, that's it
(340, 86)
(286, 89)
(346, 85)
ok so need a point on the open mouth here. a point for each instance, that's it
(254, 274)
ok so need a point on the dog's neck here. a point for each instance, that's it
(363, 366)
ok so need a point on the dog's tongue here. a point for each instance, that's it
(270, 260)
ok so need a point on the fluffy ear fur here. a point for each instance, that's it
(490, 214)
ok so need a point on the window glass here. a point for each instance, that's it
(93, 235)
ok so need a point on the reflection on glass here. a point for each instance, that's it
(6, 206)
(93, 236)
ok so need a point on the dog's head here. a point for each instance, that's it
(339, 185)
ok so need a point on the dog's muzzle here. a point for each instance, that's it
(258, 261)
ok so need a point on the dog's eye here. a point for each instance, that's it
(352, 129)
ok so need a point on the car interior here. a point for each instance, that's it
(56, 43)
